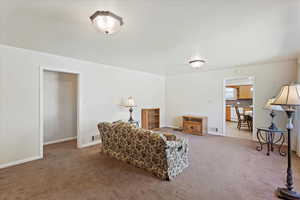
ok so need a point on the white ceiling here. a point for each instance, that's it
(158, 36)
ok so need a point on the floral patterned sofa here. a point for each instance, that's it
(145, 149)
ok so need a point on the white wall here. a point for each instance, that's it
(2, 122)
(202, 93)
(296, 131)
(101, 86)
(60, 106)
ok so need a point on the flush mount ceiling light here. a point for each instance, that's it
(106, 21)
(197, 63)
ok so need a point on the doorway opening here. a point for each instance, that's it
(239, 97)
(59, 108)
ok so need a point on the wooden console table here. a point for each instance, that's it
(196, 125)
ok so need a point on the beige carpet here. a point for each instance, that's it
(221, 168)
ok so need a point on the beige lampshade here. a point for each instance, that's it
(130, 102)
(288, 96)
(269, 105)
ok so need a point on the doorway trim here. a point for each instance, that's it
(41, 106)
(253, 102)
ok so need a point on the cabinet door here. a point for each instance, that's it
(245, 92)
(228, 113)
(145, 119)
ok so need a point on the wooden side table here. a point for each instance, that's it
(267, 136)
(150, 118)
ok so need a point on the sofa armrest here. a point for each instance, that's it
(177, 156)
(179, 143)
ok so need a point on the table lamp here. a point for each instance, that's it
(273, 108)
(289, 99)
(130, 103)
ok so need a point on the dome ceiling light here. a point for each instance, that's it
(197, 63)
(106, 21)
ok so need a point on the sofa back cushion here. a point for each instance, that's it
(142, 146)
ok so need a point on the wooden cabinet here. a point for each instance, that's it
(245, 92)
(228, 113)
(194, 124)
(150, 118)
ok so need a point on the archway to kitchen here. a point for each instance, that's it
(239, 112)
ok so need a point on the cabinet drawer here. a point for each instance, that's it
(192, 127)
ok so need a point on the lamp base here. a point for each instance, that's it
(130, 116)
(284, 193)
(273, 126)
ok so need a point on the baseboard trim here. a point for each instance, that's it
(214, 133)
(61, 140)
(90, 144)
(171, 127)
(19, 162)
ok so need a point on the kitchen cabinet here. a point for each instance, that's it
(228, 113)
(245, 92)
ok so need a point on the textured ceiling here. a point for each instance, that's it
(158, 36)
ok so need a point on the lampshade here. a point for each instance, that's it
(269, 105)
(130, 102)
(106, 21)
(288, 96)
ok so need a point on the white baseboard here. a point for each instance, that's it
(214, 133)
(61, 140)
(171, 127)
(18, 162)
(90, 144)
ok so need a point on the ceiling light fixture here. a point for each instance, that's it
(106, 21)
(197, 63)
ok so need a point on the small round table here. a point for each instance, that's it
(267, 136)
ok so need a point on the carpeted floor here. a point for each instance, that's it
(221, 168)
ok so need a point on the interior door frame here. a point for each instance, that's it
(41, 106)
(253, 102)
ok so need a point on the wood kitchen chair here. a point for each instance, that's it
(243, 120)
